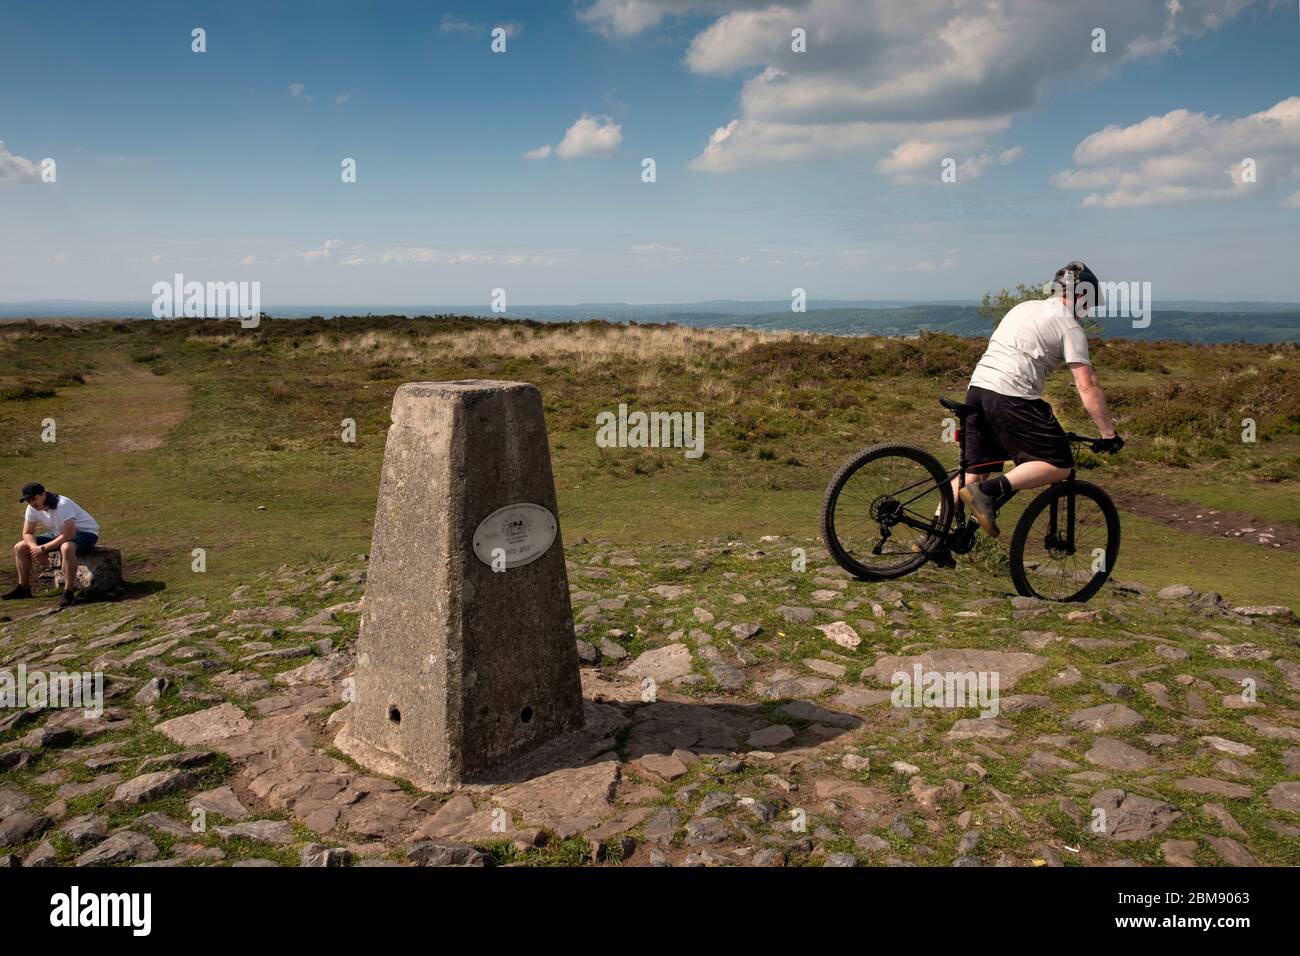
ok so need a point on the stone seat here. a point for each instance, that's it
(99, 571)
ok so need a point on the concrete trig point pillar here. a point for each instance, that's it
(461, 667)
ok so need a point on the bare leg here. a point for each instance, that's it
(23, 558)
(1034, 474)
(69, 553)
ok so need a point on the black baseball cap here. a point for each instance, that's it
(31, 489)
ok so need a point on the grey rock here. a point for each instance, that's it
(614, 652)
(797, 615)
(151, 786)
(43, 855)
(661, 826)
(728, 676)
(126, 846)
(277, 832)
(1127, 816)
(85, 830)
(437, 853)
(21, 826)
(1105, 717)
(152, 691)
(316, 854)
(1285, 796)
(706, 830)
(222, 801)
(1117, 755)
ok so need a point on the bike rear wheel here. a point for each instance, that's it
(1066, 543)
(880, 504)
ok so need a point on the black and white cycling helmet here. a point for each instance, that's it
(1079, 283)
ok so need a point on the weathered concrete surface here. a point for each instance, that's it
(460, 667)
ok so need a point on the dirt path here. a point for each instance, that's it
(125, 407)
(1196, 518)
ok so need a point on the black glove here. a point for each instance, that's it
(1108, 445)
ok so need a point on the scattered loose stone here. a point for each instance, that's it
(150, 786)
(976, 727)
(706, 830)
(666, 768)
(1213, 787)
(1116, 755)
(126, 846)
(1127, 816)
(207, 726)
(661, 664)
(221, 801)
(436, 853)
(278, 832)
(152, 691)
(1285, 796)
(1232, 852)
(1010, 666)
(661, 826)
(1179, 852)
(21, 826)
(1229, 746)
(841, 634)
(85, 830)
(1105, 717)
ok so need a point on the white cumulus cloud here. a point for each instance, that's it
(1184, 156)
(17, 169)
(877, 73)
(588, 136)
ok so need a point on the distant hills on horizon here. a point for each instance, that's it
(1185, 320)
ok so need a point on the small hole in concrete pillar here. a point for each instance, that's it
(525, 715)
(394, 715)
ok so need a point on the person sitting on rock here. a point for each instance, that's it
(68, 528)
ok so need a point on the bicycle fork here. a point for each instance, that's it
(1052, 541)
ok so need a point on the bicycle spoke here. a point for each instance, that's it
(1053, 572)
(889, 504)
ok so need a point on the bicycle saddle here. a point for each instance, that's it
(961, 408)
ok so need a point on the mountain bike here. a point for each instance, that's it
(890, 509)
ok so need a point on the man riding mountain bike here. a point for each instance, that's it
(1014, 422)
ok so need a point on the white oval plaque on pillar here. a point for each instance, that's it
(523, 531)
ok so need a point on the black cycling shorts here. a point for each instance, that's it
(1015, 428)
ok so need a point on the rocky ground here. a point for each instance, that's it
(738, 712)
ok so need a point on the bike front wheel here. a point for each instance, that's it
(884, 509)
(1066, 543)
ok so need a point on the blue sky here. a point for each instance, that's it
(226, 164)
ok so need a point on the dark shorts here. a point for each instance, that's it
(83, 541)
(1010, 427)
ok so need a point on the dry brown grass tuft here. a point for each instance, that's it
(580, 346)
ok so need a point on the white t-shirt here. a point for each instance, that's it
(52, 520)
(1031, 340)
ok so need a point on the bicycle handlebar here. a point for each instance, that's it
(1084, 440)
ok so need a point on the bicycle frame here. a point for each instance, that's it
(962, 539)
